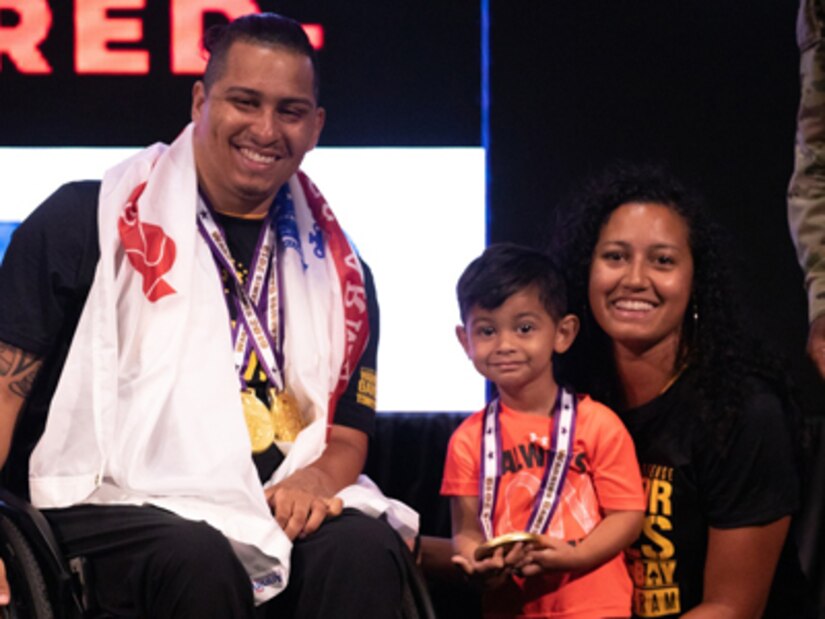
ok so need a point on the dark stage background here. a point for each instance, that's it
(709, 87)
(392, 74)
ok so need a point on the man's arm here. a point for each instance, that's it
(17, 372)
(303, 500)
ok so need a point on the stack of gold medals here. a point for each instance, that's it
(282, 421)
(257, 331)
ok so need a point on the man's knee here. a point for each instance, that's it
(195, 550)
(352, 548)
(354, 542)
(193, 568)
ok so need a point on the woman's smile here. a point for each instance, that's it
(641, 275)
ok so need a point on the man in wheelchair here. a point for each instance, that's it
(144, 318)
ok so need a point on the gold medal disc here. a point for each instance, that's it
(258, 421)
(286, 415)
(505, 541)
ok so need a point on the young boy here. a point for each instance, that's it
(537, 459)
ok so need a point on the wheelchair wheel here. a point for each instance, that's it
(29, 595)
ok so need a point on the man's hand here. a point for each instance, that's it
(300, 503)
(816, 343)
(5, 592)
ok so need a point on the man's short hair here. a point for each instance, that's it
(505, 269)
(268, 29)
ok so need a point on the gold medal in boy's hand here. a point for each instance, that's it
(258, 421)
(506, 541)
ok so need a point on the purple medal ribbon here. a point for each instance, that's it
(254, 303)
(563, 423)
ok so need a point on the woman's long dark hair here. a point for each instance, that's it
(712, 344)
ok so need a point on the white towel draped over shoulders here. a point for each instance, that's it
(147, 408)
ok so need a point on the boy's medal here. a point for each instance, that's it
(506, 541)
(563, 424)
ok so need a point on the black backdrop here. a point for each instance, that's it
(392, 74)
(710, 87)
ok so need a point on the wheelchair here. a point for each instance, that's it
(44, 585)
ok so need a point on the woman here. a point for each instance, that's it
(661, 344)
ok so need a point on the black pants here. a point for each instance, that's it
(145, 562)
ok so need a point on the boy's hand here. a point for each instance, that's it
(495, 570)
(550, 555)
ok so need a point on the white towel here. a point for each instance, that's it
(147, 409)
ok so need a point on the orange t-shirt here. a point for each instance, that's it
(603, 474)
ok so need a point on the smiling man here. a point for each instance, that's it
(187, 363)
(254, 122)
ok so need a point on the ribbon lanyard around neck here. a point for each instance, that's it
(257, 302)
(563, 422)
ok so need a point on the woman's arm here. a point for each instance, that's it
(739, 570)
(467, 533)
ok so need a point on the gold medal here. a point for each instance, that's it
(287, 420)
(258, 421)
(506, 541)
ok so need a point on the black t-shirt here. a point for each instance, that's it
(691, 485)
(45, 278)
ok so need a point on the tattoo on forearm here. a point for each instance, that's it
(18, 369)
(7, 354)
(23, 387)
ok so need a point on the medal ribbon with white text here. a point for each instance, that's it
(256, 302)
(563, 424)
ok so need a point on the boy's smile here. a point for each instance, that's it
(513, 345)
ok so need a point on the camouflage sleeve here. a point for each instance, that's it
(806, 191)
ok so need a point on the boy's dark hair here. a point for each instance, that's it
(505, 269)
(268, 29)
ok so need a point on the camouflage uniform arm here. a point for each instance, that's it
(806, 191)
